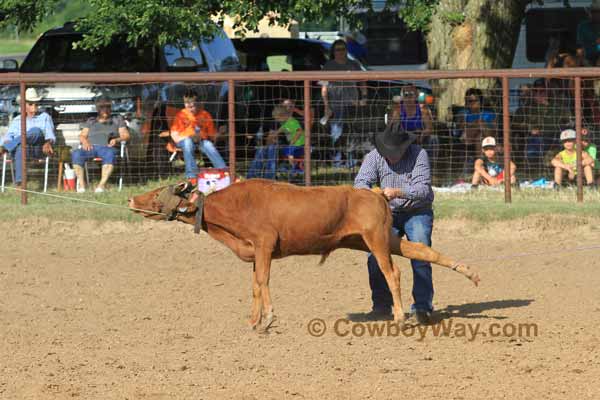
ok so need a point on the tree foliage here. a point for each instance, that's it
(162, 21)
(24, 14)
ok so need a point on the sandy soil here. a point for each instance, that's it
(152, 311)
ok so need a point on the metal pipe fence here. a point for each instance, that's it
(250, 109)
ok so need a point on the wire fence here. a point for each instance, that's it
(315, 128)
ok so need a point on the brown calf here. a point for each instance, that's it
(262, 220)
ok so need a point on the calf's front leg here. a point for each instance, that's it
(262, 274)
(256, 313)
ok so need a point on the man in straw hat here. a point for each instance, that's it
(401, 168)
(588, 32)
(40, 133)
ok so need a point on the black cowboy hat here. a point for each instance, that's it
(393, 141)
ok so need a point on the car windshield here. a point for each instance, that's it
(223, 52)
(188, 52)
(279, 55)
(60, 54)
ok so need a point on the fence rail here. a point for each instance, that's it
(238, 121)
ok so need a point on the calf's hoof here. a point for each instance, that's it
(254, 322)
(266, 323)
(400, 320)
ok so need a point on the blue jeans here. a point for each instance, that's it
(207, 147)
(106, 153)
(35, 140)
(264, 164)
(417, 228)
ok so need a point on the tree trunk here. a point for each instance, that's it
(486, 39)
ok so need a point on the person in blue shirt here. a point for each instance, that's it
(476, 124)
(40, 133)
(588, 32)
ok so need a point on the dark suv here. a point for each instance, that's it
(141, 105)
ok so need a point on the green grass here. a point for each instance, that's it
(114, 207)
(10, 47)
(486, 206)
(480, 206)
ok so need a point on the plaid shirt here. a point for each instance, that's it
(412, 175)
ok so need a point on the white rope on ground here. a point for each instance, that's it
(519, 255)
(84, 200)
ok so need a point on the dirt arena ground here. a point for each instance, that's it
(152, 311)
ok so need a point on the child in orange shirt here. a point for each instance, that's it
(193, 126)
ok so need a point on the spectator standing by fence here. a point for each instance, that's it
(401, 168)
(341, 98)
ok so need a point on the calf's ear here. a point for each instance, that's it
(181, 187)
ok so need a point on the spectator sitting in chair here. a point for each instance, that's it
(476, 123)
(566, 160)
(193, 127)
(488, 170)
(99, 138)
(264, 164)
(294, 134)
(40, 133)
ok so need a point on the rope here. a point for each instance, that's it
(84, 200)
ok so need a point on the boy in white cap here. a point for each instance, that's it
(488, 169)
(566, 160)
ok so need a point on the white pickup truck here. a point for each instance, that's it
(70, 104)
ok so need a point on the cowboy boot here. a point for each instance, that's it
(107, 169)
(80, 174)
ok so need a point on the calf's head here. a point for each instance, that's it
(173, 202)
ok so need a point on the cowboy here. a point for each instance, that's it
(39, 131)
(401, 168)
